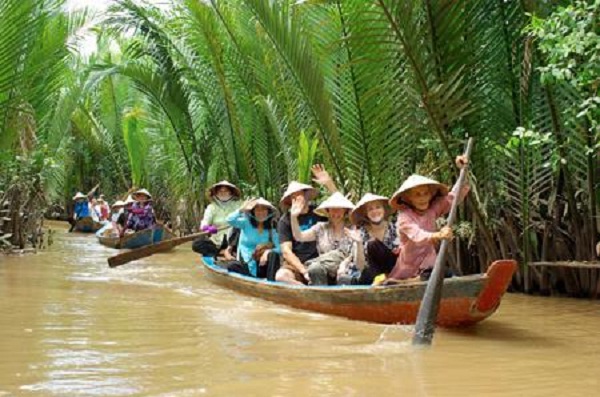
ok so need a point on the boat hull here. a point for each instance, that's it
(87, 225)
(138, 239)
(465, 300)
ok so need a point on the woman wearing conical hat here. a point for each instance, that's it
(258, 247)
(334, 245)
(141, 214)
(420, 201)
(225, 199)
(110, 226)
(296, 253)
(102, 208)
(121, 221)
(377, 242)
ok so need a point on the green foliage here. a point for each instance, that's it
(228, 88)
(570, 41)
(136, 143)
(307, 149)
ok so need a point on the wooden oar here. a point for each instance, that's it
(143, 252)
(425, 326)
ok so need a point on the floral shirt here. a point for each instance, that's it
(141, 216)
(326, 241)
(390, 240)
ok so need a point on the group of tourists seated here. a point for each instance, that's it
(123, 217)
(378, 240)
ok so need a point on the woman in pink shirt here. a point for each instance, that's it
(420, 201)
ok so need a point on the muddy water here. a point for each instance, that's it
(70, 326)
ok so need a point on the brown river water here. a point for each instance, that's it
(71, 326)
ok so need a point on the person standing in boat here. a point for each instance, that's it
(141, 215)
(225, 198)
(420, 201)
(295, 253)
(258, 247)
(334, 244)
(377, 242)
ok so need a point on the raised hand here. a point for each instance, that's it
(353, 234)
(321, 176)
(297, 205)
(461, 161)
(248, 205)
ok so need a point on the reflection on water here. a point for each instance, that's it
(71, 326)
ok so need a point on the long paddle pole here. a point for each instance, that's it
(126, 257)
(425, 326)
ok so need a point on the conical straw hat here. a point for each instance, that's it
(118, 203)
(294, 187)
(412, 182)
(129, 200)
(234, 189)
(265, 203)
(142, 191)
(336, 200)
(79, 195)
(360, 212)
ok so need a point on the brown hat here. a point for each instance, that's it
(412, 182)
(295, 187)
(336, 200)
(360, 214)
(234, 189)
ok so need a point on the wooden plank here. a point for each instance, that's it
(572, 264)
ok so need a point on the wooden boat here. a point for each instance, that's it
(138, 239)
(87, 225)
(465, 300)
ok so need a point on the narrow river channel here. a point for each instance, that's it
(71, 326)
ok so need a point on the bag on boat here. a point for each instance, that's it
(324, 267)
(260, 250)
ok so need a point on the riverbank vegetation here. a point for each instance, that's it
(177, 97)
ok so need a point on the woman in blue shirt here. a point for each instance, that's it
(258, 247)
